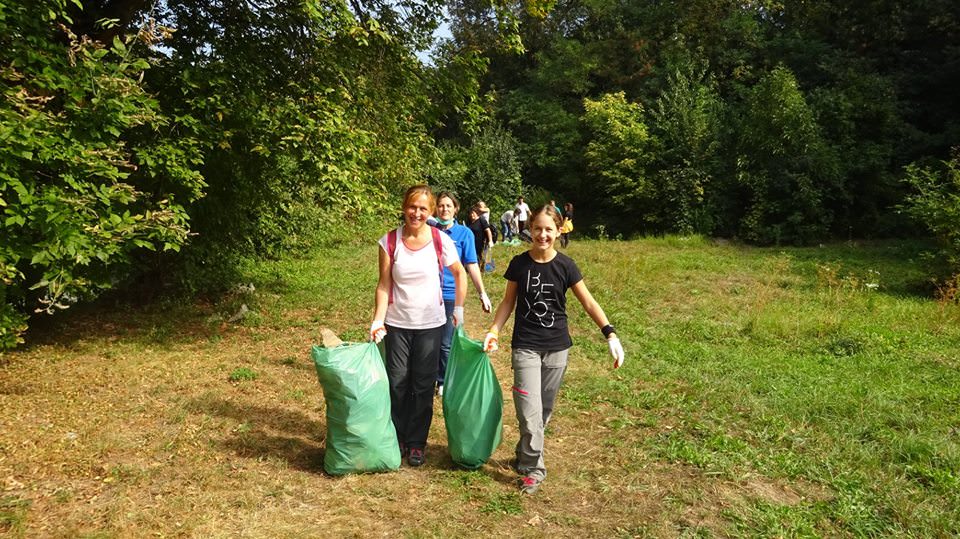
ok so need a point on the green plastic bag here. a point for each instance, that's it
(472, 403)
(360, 433)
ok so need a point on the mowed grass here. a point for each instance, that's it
(767, 392)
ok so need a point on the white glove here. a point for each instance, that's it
(485, 300)
(377, 331)
(616, 350)
(458, 315)
(491, 342)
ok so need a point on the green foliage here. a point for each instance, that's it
(487, 169)
(90, 170)
(618, 155)
(243, 374)
(686, 122)
(301, 146)
(935, 202)
(789, 173)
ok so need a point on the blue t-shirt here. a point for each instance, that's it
(463, 238)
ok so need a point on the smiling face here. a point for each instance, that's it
(544, 231)
(416, 211)
(446, 208)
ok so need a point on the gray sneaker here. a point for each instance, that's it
(529, 485)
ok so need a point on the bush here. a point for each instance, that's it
(487, 169)
(91, 171)
(619, 154)
(789, 172)
(935, 202)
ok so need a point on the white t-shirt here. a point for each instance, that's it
(521, 211)
(417, 299)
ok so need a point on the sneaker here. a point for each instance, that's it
(403, 450)
(416, 457)
(529, 485)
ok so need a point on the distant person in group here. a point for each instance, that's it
(485, 213)
(482, 236)
(507, 225)
(554, 204)
(447, 208)
(410, 315)
(567, 227)
(537, 282)
(521, 211)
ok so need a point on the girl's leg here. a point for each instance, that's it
(551, 376)
(537, 377)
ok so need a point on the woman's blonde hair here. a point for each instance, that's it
(416, 192)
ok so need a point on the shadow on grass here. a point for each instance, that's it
(273, 433)
(267, 432)
(159, 325)
(903, 267)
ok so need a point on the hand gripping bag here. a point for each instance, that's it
(360, 433)
(472, 403)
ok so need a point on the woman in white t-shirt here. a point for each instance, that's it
(410, 315)
(521, 211)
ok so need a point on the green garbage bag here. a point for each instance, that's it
(360, 433)
(472, 403)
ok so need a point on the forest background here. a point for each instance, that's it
(153, 147)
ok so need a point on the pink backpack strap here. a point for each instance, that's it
(438, 247)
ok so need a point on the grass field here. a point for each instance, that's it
(767, 392)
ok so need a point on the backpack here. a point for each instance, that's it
(437, 246)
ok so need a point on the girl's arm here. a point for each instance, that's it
(589, 304)
(474, 271)
(381, 297)
(490, 342)
(600, 318)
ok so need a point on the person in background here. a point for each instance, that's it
(447, 208)
(485, 213)
(537, 282)
(409, 314)
(567, 227)
(554, 204)
(507, 224)
(521, 211)
(482, 236)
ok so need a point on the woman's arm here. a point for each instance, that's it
(381, 296)
(473, 270)
(460, 283)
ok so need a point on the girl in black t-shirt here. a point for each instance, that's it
(537, 282)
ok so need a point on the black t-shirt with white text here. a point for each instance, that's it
(541, 315)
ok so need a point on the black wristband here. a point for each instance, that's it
(607, 330)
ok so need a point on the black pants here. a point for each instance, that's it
(412, 356)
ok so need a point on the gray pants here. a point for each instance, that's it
(536, 380)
